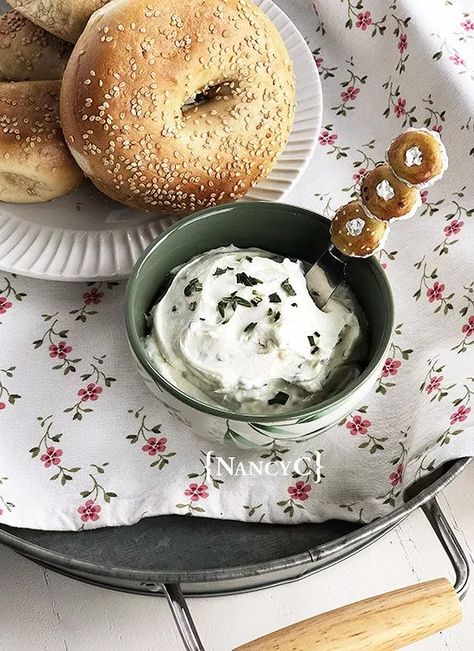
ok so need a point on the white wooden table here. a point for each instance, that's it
(42, 610)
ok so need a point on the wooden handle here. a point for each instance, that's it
(389, 621)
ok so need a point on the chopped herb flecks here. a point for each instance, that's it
(221, 305)
(274, 298)
(287, 288)
(193, 286)
(192, 306)
(247, 257)
(245, 279)
(219, 271)
(237, 300)
(276, 317)
(257, 298)
(231, 301)
(250, 327)
(174, 308)
(281, 398)
(294, 305)
(312, 342)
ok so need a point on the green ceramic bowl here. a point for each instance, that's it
(282, 229)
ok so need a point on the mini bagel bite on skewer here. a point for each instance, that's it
(356, 234)
(386, 198)
(418, 157)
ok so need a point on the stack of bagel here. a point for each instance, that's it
(35, 163)
(166, 105)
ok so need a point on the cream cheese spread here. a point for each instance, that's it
(385, 190)
(413, 156)
(355, 226)
(237, 328)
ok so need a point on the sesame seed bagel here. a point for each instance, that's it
(387, 198)
(28, 52)
(35, 164)
(171, 106)
(356, 234)
(63, 18)
(418, 157)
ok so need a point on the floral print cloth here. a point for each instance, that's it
(83, 444)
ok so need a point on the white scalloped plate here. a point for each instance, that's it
(85, 236)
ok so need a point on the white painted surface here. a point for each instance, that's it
(42, 610)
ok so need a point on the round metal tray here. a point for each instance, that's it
(175, 555)
(208, 557)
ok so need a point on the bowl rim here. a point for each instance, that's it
(318, 410)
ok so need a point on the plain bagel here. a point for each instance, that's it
(35, 164)
(64, 18)
(28, 52)
(172, 106)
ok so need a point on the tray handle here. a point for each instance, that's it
(388, 621)
(182, 616)
(451, 545)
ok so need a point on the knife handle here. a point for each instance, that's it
(383, 623)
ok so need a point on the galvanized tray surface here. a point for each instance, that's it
(210, 556)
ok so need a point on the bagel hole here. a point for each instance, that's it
(209, 93)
